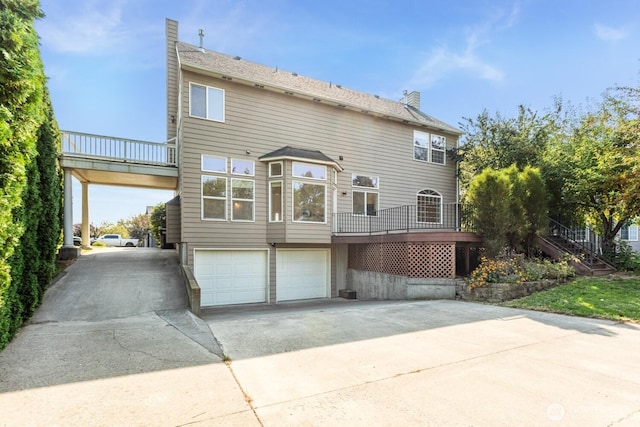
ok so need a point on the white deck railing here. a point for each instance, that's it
(118, 149)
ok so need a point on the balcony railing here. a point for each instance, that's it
(91, 146)
(435, 217)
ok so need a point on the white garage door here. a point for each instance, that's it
(302, 274)
(231, 277)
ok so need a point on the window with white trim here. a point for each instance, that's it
(275, 201)
(214, 164)
(242, 167)
(242, 199)
(364, 181)
(365, 203)
(429, 207)
(214, 198)
(438, 144)
(429, 147)
(309, 202)
(309, 171)
(275, 169)
(629, 233)
(206, 102)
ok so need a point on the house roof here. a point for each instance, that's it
(273, 78)
(292, 153)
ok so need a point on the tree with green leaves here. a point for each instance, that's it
(138, 226)
(498, 142)
(158, 219)
(489, 195)
(509, 208)
(598, 166)
(29, 177)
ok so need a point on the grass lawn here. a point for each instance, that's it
(614, 298)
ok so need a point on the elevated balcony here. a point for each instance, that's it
(99, 159)
(449, 222)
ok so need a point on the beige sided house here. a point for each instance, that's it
(293, 188)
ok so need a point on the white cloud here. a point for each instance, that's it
(93, 28)
(444, 61)
(607, 33)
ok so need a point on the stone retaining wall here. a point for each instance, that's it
(499, 292)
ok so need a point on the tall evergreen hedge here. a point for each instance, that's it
(30, 185)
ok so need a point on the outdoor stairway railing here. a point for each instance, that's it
(580, 242)
(91, 146)
(447, 216)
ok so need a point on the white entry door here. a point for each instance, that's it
(302, 273)
(231, 276)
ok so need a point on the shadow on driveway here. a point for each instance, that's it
(113, 312)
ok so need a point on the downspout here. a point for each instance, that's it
(458, 224)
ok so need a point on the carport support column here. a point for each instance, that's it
(68, 251)
(85, 216)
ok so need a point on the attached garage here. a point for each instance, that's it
(302, 274)
(231, 276)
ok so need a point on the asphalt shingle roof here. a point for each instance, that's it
(191, 57)
(298, 153)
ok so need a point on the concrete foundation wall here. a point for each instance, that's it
(371, 285)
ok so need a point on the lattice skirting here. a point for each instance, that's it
(424, 260)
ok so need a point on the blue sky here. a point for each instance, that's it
(106, 66)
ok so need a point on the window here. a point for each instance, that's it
(242, 199)
(309, 202)
(242, 167)
(214, 198)
(206, 102)
(275, 201)
(275, 169)
(421, 146)
(629, 233)
(311, 171)
(438, 144)
(214, 164)
(365, 203)
(429, 148)
(429, 207)
(364, 181)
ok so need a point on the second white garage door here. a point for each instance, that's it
(231, 277)
(302, 273)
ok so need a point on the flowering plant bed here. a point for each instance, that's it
(497, 280)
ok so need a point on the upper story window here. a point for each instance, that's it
(214, 164)
(438, 144)
(309, 170)
(206, 102)
(242, 167)
(429, 148)
(364, 181)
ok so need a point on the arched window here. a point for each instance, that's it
(429, 206)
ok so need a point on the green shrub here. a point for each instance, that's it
(627, 259)
(99, 244)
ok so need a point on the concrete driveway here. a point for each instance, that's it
(123, 351)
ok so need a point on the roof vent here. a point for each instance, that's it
(201, 34)
(237, 58)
